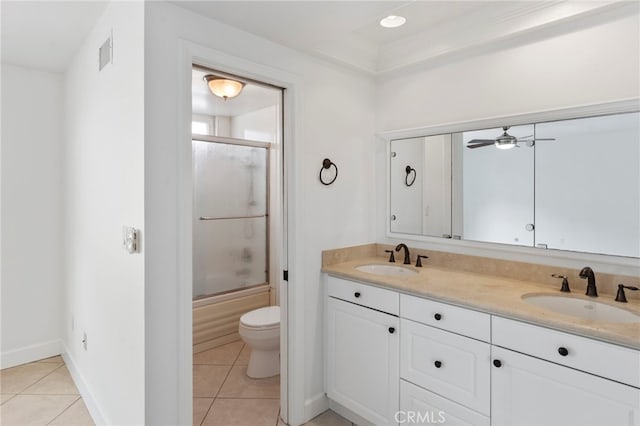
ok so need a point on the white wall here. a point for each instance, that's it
(105, 187)
(587, 66)
(260, 125)
(322, 217)
(32, 205)
(583, 67)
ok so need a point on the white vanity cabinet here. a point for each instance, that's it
(362, 350)
(398, 359)
(445, 374)
(527, 390)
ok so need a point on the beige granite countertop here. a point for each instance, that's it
(492, 294)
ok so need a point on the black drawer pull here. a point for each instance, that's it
(497, 363)
(438, 364)
(563, 351)
(392, 330)
(356, 294)
(438, 317)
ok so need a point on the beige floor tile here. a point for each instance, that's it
(200, 409)
(243, 412)
(5, 397)
(243, 358)
(328, 418)
(222, 355)
(76, 415)
(207, 379)
(238, 385)
(59, 382)
(17, 379)
(26, 410)
(54, 359)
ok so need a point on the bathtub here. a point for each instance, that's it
(215, 318)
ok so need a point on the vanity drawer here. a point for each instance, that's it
(447, 317)
(365, 295)
(450, 365)
(593, 356)
(421, 407)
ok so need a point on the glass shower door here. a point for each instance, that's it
(230, 232)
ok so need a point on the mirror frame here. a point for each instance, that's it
(582, 111)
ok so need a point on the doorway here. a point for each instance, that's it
(238, 242)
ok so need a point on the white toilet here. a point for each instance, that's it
(260, 330)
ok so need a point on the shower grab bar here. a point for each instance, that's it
(233, 217)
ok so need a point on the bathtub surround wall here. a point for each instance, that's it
(216, 322)
(32, 211)
(551, 73)
(104, 182)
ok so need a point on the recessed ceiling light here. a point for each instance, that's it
(393, 21)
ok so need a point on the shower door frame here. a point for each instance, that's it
(267, 215)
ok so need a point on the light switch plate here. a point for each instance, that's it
(130, 239)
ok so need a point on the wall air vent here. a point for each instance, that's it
(105, 54)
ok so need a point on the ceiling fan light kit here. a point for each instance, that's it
(505, 144)
(505, 141)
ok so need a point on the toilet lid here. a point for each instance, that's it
(263, 317)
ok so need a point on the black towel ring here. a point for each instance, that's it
(326, 164)
(410, 170)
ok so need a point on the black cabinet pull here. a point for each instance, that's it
(438, 364)
(497, 363)
(392, 330)
(356, 294)
(438, 317)
(563, 351)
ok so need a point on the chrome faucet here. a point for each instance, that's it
(587, 273)
(407, 257)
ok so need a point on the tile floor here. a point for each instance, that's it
(41, 393)
(224, 395)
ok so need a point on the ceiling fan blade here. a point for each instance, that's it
(475, 141)
(524, 137)
(479, 143)
(544, 139)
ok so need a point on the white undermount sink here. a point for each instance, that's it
(581, 308)
(389, 270)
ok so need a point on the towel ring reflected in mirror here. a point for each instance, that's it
(410, 177)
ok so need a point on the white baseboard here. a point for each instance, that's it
(30, 353)
(315, 406)
(92, 404)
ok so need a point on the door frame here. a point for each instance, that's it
(292, 382)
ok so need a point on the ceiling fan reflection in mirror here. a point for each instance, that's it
(505, 141)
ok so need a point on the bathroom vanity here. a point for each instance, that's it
(441, 346)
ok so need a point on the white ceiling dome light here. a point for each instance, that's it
(393, 21)
(224, 88)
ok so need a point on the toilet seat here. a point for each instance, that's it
(264, 318)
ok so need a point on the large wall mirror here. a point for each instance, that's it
(567, 184)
